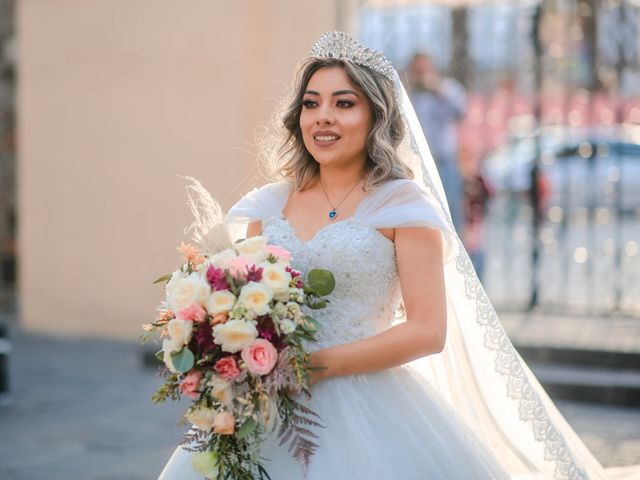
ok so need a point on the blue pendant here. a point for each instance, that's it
(333, 214)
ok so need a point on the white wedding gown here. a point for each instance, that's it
(391, 424)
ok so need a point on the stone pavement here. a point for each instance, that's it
(81, 409)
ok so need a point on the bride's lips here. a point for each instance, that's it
(325, 138)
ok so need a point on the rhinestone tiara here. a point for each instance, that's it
(343, 46)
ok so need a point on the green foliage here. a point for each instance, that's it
(170, 389)
(247, 428)
(163, 279)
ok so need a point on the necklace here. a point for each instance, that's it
(333, 213)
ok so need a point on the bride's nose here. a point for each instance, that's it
(325, 115)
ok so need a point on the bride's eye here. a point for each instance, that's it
(344, 103)
(308, 103)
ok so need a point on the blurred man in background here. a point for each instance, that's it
(439, 103)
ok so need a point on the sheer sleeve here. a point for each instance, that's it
(260, 203)
(404, 203)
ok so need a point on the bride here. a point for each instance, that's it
(439, 393)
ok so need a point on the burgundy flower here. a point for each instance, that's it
(254, 274)
(294, 273)
(265, 327)
(203, 337)
(299, 283)
(217, 278)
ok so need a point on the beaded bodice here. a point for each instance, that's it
(363, 262)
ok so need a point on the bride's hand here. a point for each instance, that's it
(319, 371)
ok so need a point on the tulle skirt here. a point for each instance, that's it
(390, 424)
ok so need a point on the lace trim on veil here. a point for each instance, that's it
(507, 362)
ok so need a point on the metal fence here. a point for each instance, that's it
(553, 122)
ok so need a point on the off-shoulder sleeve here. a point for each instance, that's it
(404, 203)
(260, 203)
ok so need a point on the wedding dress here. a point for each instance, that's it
(473, 411)
(390, 424)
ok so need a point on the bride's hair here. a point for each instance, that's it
(291, 159)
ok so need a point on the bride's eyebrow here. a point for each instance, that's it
(334, 94)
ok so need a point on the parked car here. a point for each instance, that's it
(587, 167)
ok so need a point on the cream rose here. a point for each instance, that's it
(170, 345)
(275, 277)
(234, 335)
(220, 302)
(202, 417)
(255, 297)
(180, 331)
(254, 247)
(188, 291)
(221, 390)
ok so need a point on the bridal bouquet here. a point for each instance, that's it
(233, 334)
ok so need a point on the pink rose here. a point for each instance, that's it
(278, 252)
(239, 265)
(189, 386)
(227, 368)
(195, 313)
(260, 356)
(224, 423)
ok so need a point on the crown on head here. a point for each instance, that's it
(340, 45)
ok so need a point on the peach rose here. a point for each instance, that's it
(224, 423)
(227, 368)
(260, 356)
(219, 318)
(189, 386)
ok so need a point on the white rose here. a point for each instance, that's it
(169, 345)
(275, 277)
(287, 326)
(202, 417)
(220, 301)
(221, 390)
(171, 284)
(180, 331)
(255, 297)
(188, 291)
(234, 335)
(222, 259)
(254, 248)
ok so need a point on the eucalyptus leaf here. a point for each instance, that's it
(163, 279)
(321, 282)
(246, 429)
(183, 360)
(310, 324)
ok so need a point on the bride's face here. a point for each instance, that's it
(335, 118)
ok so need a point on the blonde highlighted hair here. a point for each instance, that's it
(284, 154)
